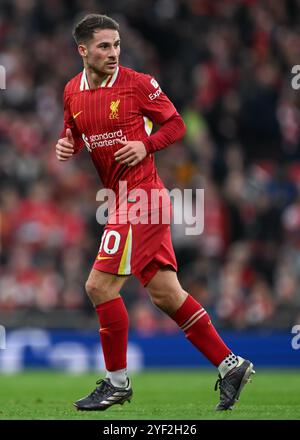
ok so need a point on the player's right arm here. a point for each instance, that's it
(70, 141)
(65, 146)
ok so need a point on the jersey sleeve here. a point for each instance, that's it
(69, 123)
(153, 102)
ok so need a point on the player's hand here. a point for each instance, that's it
(65, 146)
(132, 153)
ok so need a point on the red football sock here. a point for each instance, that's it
(114, 325)
(196, 324)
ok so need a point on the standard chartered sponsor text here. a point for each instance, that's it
(106, 139)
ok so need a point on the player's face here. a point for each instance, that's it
(101, 53)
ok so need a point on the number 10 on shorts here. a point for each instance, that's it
(110, 242)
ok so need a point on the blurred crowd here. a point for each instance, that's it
(226, 65)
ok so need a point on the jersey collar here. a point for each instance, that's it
(108, 81)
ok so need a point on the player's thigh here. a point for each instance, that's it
(102, 286)
(165, 289)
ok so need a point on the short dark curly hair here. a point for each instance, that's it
(83, 31)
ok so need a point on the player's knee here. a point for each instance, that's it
(91, 289)
(101, 292)
(168, 300)
(159, 302)
(96, 292)
(161, 299)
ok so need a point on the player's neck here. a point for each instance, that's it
(94, 78)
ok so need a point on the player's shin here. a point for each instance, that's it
(114, 325)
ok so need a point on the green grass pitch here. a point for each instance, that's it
(158, 394)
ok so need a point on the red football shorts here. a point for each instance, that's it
(138, 249)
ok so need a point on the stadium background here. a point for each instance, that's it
(227, 67)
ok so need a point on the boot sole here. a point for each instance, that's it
(103, 408)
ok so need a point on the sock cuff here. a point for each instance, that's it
(187, 310)
(112, 311)
(108, 304)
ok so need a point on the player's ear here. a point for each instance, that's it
(82, 49)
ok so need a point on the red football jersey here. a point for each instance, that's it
(124, 107)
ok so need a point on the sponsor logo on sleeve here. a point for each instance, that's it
(158, 91)
(154, 83)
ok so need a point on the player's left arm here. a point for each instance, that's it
(131, 153)
(156, 106)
